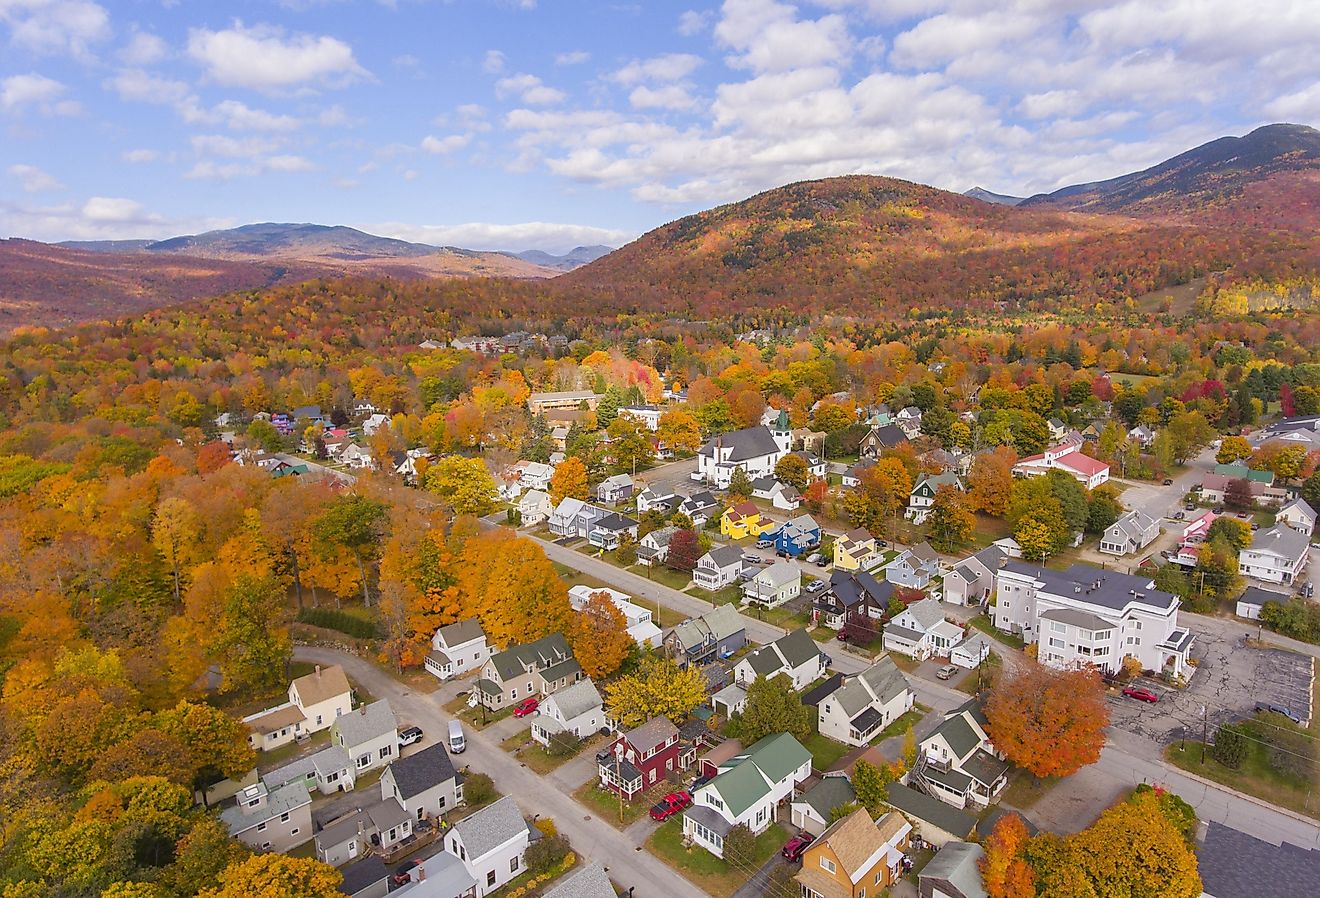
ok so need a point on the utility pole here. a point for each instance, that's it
(1205, 734)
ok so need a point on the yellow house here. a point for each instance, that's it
(855, 857)
(855, 549)
(742, 520)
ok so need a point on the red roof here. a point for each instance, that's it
(1083, 464)
(744, 510)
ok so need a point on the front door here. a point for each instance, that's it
(352, 849)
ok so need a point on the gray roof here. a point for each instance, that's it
(1083, 620)
(922, 808)
(882, 679)
(279, 801)
(491, 827)
(1236, 865)
(1254, 595)
(723, 556)
(714, 625)
(984, 767)
(1114, 591)
(780, 573)
(831, 792)
(1282, 540)
(423, 770)
(749, 443)
(446, 876)
(710, 818)
(362, 875)
(1133, 524)
(577, 699)
(959, 734)
(1300, 505)
(650, 734)
(796, 649)
(366, 723)
(388, 814)
(889, 435)
(590, 881)
(615, 522)
(461, 632)
(328, 759)
(662, 536)
(544, 652)
(927, 612)
(958, 864)
(344, 829)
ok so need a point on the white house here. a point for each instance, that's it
(1253, 599)
(574, 518)
(796, 655)
(490, 843)
(641, 626)
(957, 763)
(972, 650)
(534, 475)
(457, 649)
(1298, 515)
(576, 711)
(374, 423)
(1111, 616)
(1132, 532)
(718, 568)
(746, 789)
(972, 580)
(370, 736)
(656, 497)
(921, 631)
(1276, 555)
(774, 585)
(864, 704)
(1069, 458)
(535, 506)
(646, 415)
(922, 497)
(425, 783)
(322, 696)
(653, 547)
(756, 450)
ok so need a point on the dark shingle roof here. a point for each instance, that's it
(1236, 865)
(362, 874)
(923, 808)
(1115, 589)
(751, 442)
(424, 770)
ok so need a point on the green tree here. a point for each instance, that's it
(871, 785)
(252, 641)
(1234, 532)
(1102, 509)
(739, 842)
(355, 523)
(1190, 433)
(740, 486)
(1230, 746)
(793, 470)
(462, 482)
(1042, 531)
(950, 522)
(773, 706)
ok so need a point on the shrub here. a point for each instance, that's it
(341, 621)
(478, 789)
(545, 853)
(739, 841)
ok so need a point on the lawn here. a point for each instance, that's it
(982, 623)
(473, 716)
(900, 724)
(1024, 790)
(823, 634)
(605, 805)
(976, 679)
(665, 575)
(269, 760)
(1255, 776)
(825, 752)
(730, 593)
(710, 874)
(534, 755)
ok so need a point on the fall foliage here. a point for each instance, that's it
(1050, 722)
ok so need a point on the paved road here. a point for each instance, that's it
(592, 839)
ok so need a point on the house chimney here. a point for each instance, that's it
(421, 873)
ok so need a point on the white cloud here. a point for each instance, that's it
(671, 97)
(443, 145)
(105, 208)
(693, 22)
(33, 179)
(55, 26)
(493, 62)
(942, 39)
(241, 117)
(144, 87)
(1302, 105)
(143, 48)
(768, 36)
(1051, 103)
(35, 92)
(97, 219)
(264, 58)
(548, 236)
(139, 157)
(573, 57)
(670, 67)
(529, 89)
(220, 145)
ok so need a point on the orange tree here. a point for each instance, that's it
(1050, 722)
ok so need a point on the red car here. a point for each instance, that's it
(526, 707)
(794, 847)
(670, 805)
(1141, 693)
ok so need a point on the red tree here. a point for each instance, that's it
(684, 550)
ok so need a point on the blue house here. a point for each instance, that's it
(796, 537)
(914, 567)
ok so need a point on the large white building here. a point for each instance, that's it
(1069, 458)
(754, 449)
(1276, 555)
(1086, 615)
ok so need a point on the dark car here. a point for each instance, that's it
(1168, 481)
(670, 805)
(794, 847)
(1140, 693)
(823, 561)
(526, 707)
(1271, 708)
(403, 875)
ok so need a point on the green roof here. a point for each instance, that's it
(921, 808)
(743, 781)
(1241, 472)
(959, 734)
(740, 787)
(778, 755)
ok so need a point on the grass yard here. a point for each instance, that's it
(710, 874)
(269, 760)
(664, 575)
(900, 724)
(730, 593)
(605, 805)
(825, 752)
(1255, 776)
(472, 716)
(533, 754)
(982, 623)
(1024, 790)
(823, 634)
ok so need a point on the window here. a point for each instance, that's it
(363, 761)
(294, 831)
(386, 751)
(513, 864)
(1058, 626)
(265, 846)
(261, 827)
(879, 875)
(827, 864)
(490, 878)
(318, 717)
(284, 818)
(1056, 643)
(439, 804)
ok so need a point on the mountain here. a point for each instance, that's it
(870, 246)
(999, 199)
(1267, 178)
(574, 258)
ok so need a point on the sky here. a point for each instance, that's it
(519, 124)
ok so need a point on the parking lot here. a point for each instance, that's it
(1231, 678)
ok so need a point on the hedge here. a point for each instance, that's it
(342, 621)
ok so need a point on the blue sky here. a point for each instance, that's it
(514, 124)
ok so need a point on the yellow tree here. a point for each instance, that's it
(514, 589)
(1004, 869)
(679, 431)
(599, 636)
(1233, 449)
(277, 876)
(175, 530)
(462, 482)
(569, 480)
(658, 688)
(1136, 849)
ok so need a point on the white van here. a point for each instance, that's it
(456, 743)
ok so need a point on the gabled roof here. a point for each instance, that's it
(746, 509)
(850, 587)
(856, 839)
(577, 699)
(1281, 540)
(1104, 587)
(543, 653)
(651, 734)
(923, 808)
(788, 652)
(959, 734)
(462, 632)
(1236, 865)
(324, 684)
(881, 682)
(780, 574)
(887, 435)
(1133, 524)
(715, 624)
(590, 881)
(743, 445)
(723, 556)
(361, 875)
(491, 827)
(366, 723)
(1073, 617)
(926, 612)
(958, 864)
(1300, 506)
(830, 793)
(614, 521)
(743, 780)
(423, 770)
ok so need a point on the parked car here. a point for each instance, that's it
(1218, 509)
(409, 735)
(526, 707)
(814, 558)
(1189, 507)
(1168, 481)
(822, 561)
(1244, 515)
(815, 586)
(403, 875)
(670, 805)
(1179, 515)
(765, 543)
(1254, 526)
(1141, 693)
(794, 847)
(1271, 708)
(751, 558)
(946, 672)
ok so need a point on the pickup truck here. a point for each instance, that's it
(671, 804)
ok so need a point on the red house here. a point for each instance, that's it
(639, 758)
